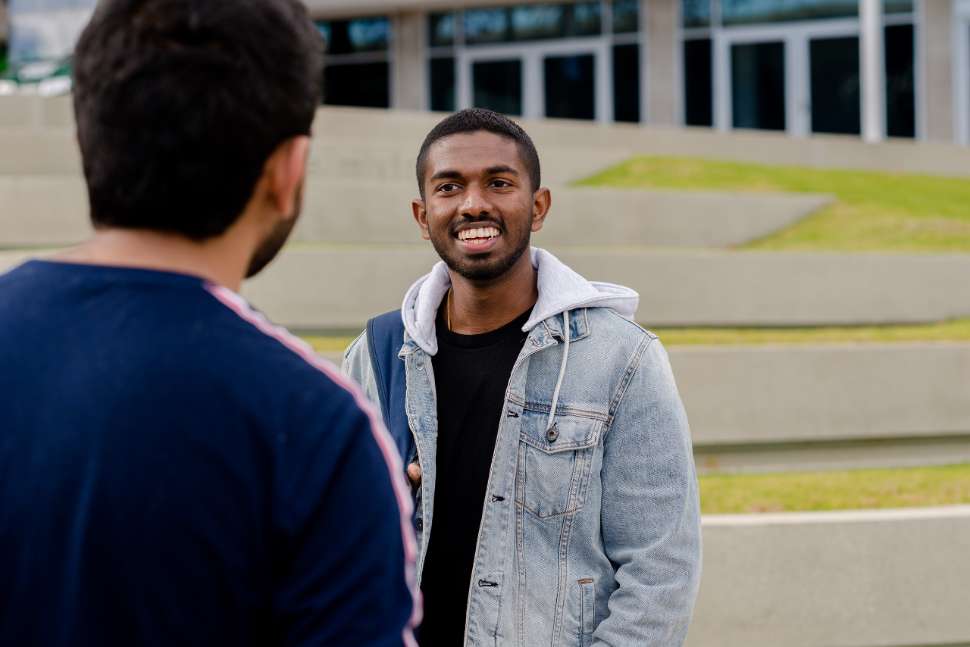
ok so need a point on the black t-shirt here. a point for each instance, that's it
(471, 374)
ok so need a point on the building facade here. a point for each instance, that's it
(873, 68)
(878, 68)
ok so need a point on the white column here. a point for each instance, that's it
(409, 63)
(872, 63)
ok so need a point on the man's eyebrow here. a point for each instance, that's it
(501, 168)
(446, 174)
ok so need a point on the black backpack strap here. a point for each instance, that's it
(385, 336)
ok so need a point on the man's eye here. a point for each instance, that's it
(447, 188)
(501, 183)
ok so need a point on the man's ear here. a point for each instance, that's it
(421, 217)
(541, 202)
(285, 171)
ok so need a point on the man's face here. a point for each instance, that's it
(479, 208)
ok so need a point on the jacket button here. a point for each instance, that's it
(552, 434)
(419, 524)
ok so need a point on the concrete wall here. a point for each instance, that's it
(369, 140)
(936, 69)
(682, 288)
(847, 579)
(823, 407)
(760, 408)
(52, 211)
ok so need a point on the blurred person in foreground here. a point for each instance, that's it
(174, 469)
(552, 458)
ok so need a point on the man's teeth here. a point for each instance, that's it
(481, 232)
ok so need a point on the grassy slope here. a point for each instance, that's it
(877, 488)
(873, 211)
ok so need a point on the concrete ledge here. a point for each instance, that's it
(52, 210)
(677, 288)
(41, 152)
(43, 210)
(357, 212)
(592, 146)
(745, 395)
(852, 579)
(777, 408)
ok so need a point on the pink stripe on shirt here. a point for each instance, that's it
(384, 441)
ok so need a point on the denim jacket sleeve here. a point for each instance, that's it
(650, 509)
(356, 365)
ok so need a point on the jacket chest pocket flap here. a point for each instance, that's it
(554, 461)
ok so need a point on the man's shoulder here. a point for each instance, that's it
(268, 358)
(607, 322)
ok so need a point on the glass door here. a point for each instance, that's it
(758, 85)
(570, 86)
(497, 85)
(835, 91)
(801, 79)
(565, 79)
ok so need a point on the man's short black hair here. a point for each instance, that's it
(179, 103)
(475, 119)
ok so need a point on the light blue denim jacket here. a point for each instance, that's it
(590, 531)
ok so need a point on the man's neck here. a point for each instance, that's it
(213, 260)
(477, 308)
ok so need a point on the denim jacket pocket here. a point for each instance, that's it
(554, 461)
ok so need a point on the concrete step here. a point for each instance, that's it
(894, 578)
(39, 210)
(677, 288)
(823, 407)
(837, 406)
(687, 288)
(585, 147)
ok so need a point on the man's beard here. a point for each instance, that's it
(483, 270)
(273, 243)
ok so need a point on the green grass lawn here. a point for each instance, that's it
(873, 211)
(855, 489)
(947, 331)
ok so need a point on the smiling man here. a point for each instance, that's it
(557, 498)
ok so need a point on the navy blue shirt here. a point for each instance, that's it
(176, 471)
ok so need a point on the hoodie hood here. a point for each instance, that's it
(560, 289)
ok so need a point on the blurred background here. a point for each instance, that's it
(784, 182)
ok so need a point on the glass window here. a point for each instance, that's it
(441, 29)
(442, 72)
(486, 25)
(900, 82)
(586, 19)
(358, 84)
(357, 35)
(834, 72)
(570, 84)
(497, 85)
(698, 83)
(897, 6)
(626, 83)
(696, 13)
(758, 85)
(626, 16)
(739, 12)
(533, 22)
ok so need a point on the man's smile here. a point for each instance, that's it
(476, 240)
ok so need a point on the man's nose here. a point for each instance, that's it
(476, 203)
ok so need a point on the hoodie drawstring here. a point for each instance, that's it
(562, 371)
